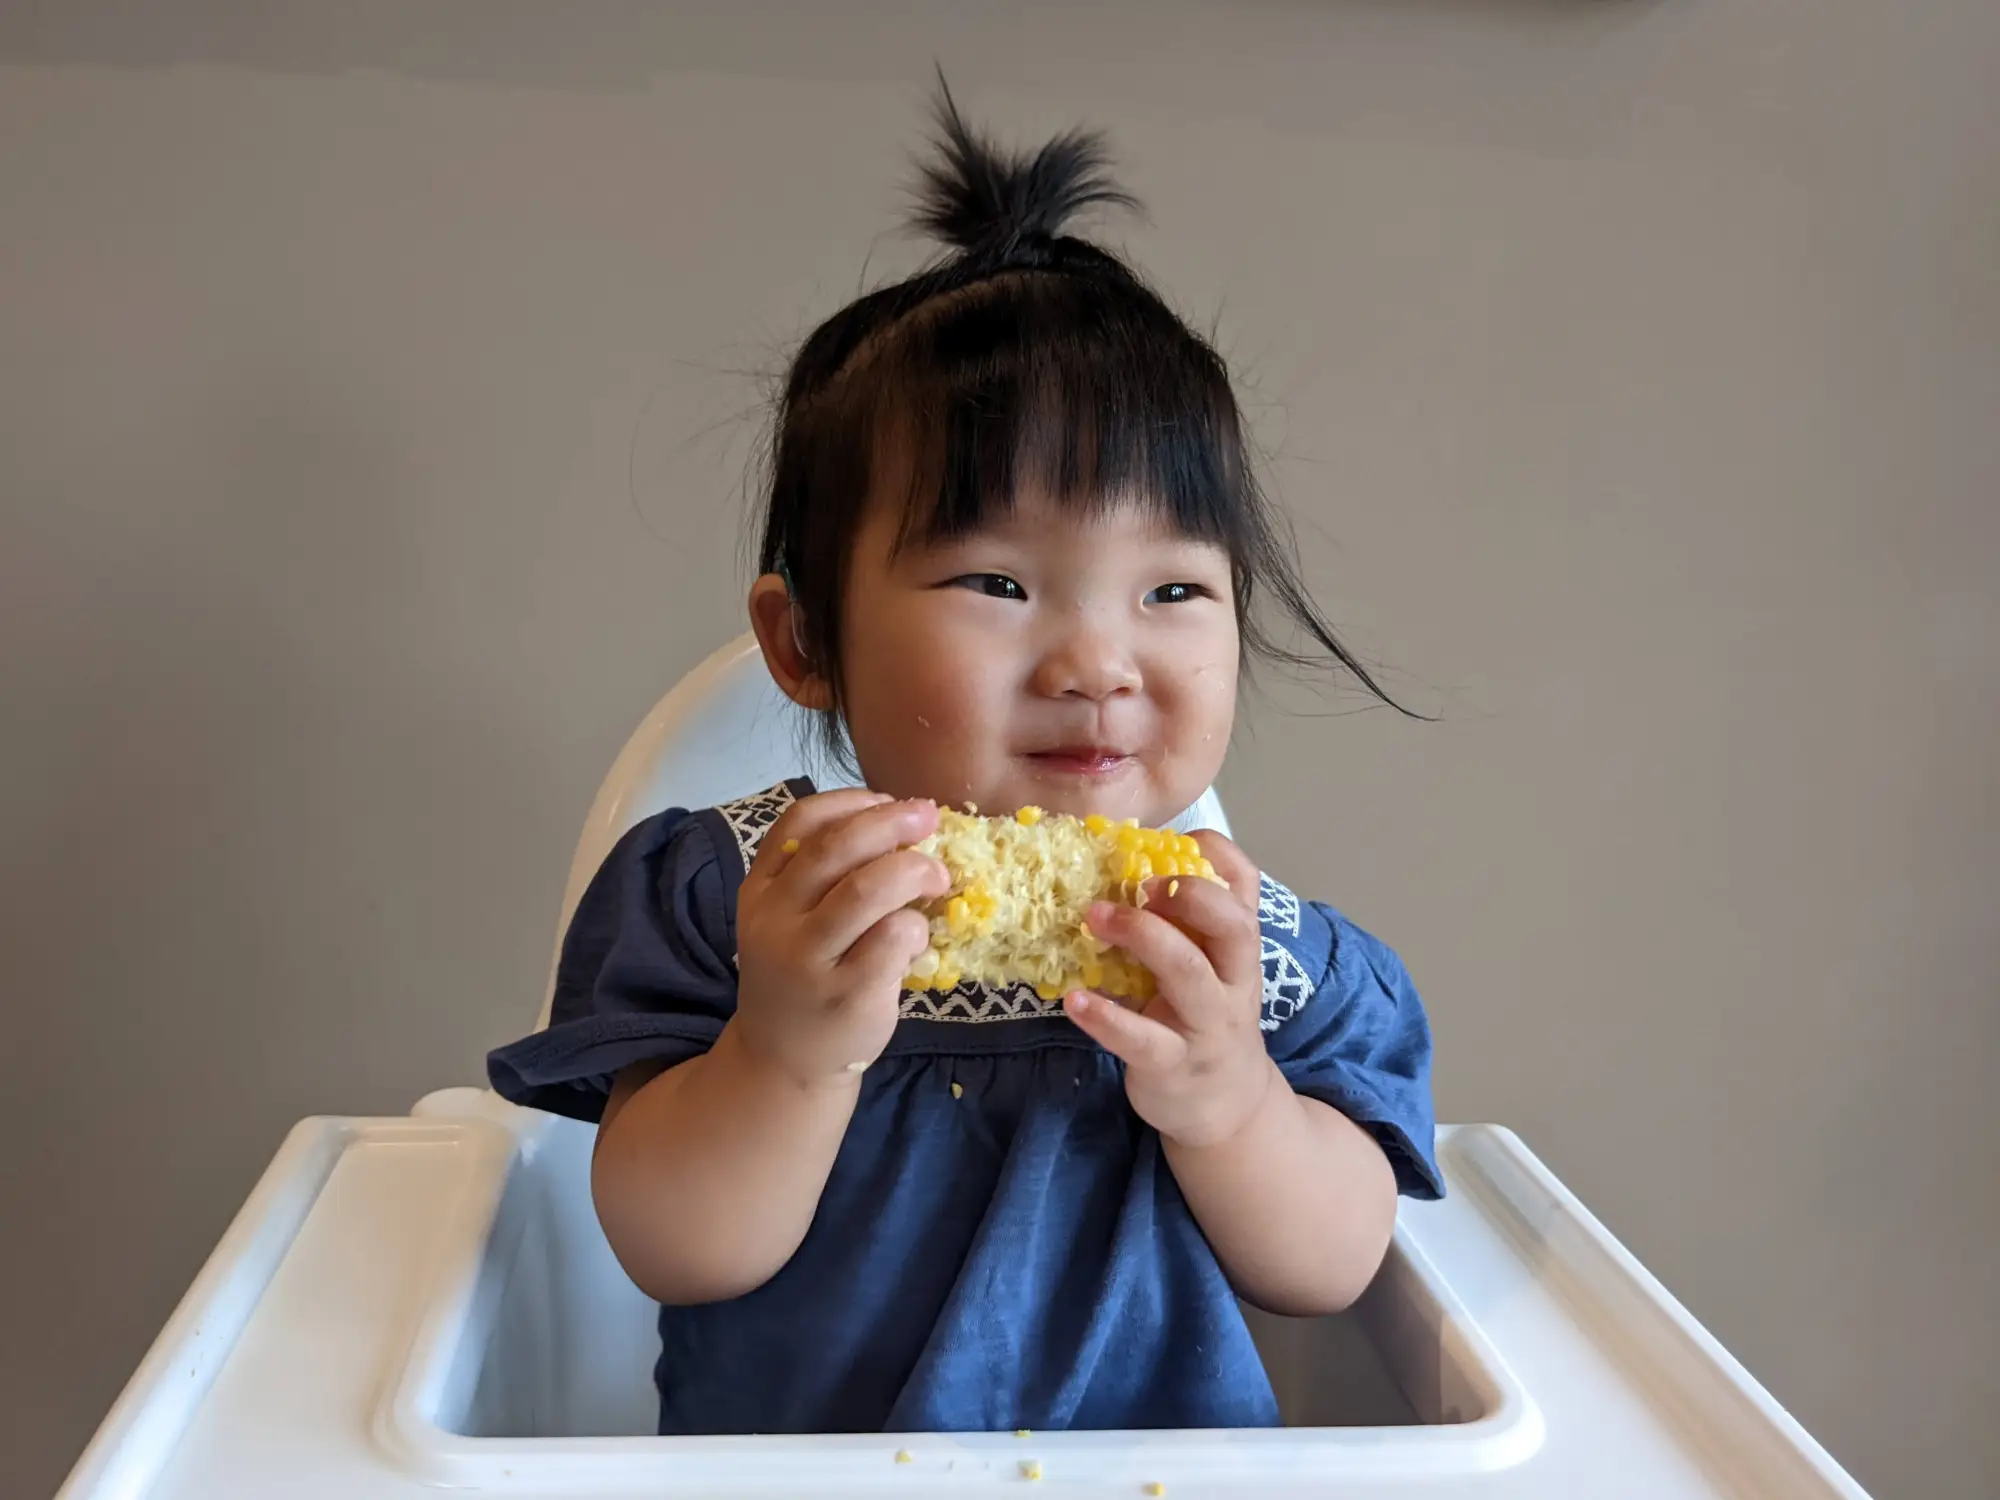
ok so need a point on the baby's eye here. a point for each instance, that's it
(1176, 593)
(993, 585)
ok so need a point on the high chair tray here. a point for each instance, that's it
(404, 1304)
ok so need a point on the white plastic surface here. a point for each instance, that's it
(406, 1304)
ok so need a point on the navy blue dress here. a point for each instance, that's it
(1013, 1254)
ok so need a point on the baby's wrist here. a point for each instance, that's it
(1220, 1129)
(769, 1067)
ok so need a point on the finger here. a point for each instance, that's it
(1221, 926)
(1231, 863)
(864, 896)
(803, 819)
(1140, 1041)
(1187, 980)
(828, 855)
(883, 954)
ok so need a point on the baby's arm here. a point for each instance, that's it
(1297, 1200)
(1298, 1204)
(707, 1175)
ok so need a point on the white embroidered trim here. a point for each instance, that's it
(1287, 986)
(750, 818)
(1277, 906)
(978, 1002)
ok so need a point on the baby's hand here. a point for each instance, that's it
(1196, 1068)
(825, 931)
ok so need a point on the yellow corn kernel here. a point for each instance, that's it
(1031, 1469)
(1021, 888)
(790, 846)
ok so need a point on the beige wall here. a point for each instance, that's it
(371, 434)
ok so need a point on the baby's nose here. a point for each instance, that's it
(1087, 663)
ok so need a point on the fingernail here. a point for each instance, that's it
(1076, 1001)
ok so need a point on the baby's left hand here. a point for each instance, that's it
(1196, 1068)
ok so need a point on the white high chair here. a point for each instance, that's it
(404, 1304)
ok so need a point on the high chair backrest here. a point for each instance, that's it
(724, 731)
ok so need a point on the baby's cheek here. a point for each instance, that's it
(1202, 713)
(923, 734)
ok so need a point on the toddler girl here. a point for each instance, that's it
(1010, 556)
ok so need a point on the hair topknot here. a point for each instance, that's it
(991, 203)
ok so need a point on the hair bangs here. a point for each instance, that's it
(1040, 385)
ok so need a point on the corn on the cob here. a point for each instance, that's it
(1021, 888)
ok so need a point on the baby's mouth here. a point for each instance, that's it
(1082, 760)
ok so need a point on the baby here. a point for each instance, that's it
(1010, 557)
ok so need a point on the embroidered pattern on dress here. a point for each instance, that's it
(978, 1002)
(1287, 986)
(750, 818)
(1277, 906)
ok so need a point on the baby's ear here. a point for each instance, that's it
(775, 619)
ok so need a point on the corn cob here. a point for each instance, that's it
(1021, 888)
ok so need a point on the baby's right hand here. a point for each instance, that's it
(825, 931)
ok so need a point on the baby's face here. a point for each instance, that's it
(1081, 664)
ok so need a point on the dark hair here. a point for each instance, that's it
(1024, 353)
